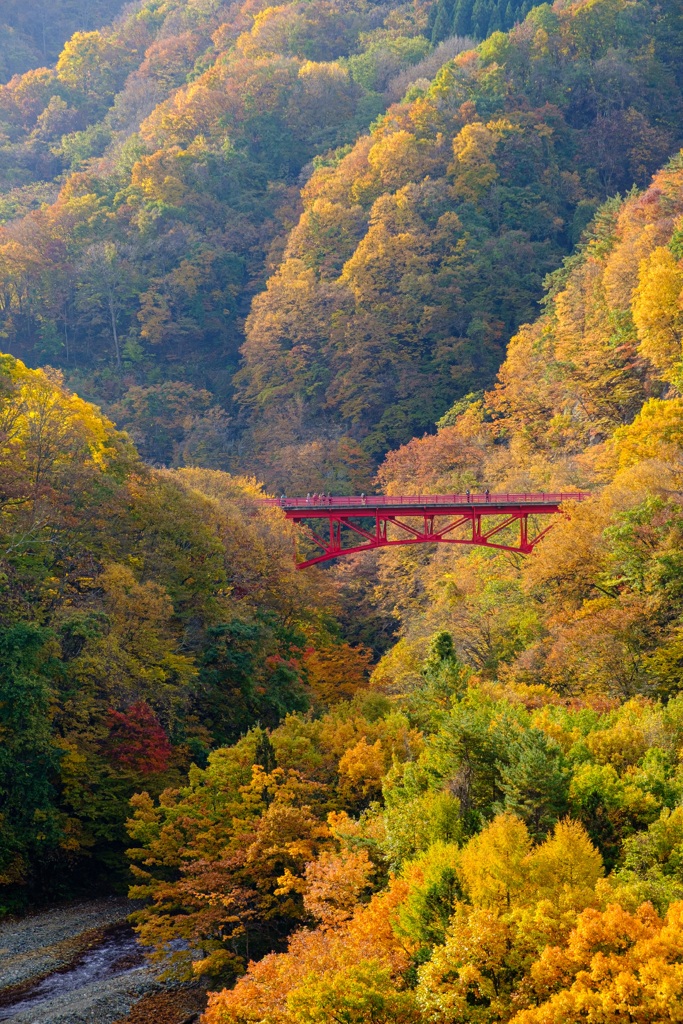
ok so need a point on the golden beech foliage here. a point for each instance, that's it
(47, 426)
(334, 883)
(614, 966)
(579, 403)
(278, 988)
(337, 672)
(658, 309)
(500, 868)
(581, 312)
(401, 303)
(351, 967)
(566, 867)
(253, 849)
(540, 931)
(464, 979)
(522, 897)
(489, 829)
(89, 62)
(449, 462)
(473, 170)
(655, 433)
(361, 767)
(158, 615)
(622, 745)
(492, 863)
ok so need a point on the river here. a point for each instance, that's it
(118, 955)
(73, 964)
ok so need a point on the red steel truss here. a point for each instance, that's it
(387, 520)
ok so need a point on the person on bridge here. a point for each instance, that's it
(282, 500)
(363, 499)
(488, 496)
(467, 492)
(308, 498)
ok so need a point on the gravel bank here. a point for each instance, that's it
(100, 1002)
(75, 964)
(42, 943)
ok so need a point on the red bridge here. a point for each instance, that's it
(385, 520)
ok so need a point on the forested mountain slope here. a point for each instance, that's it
(478, 18)
(419, 253)
(588, 397)
(169, 146)
(488, 828)
(145, 618)
(533, 834)
(33, 32)
(177, 139)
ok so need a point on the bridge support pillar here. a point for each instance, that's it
(524, 533)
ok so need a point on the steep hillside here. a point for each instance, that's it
(478, 18)
(482, 822)
(33, 32)
(145, 617)
(171, 149)
(421, 250)
(533, 836)
(170, 146)
(589, 396)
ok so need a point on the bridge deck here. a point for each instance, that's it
(438, 503)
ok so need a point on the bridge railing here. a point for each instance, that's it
(377, 501)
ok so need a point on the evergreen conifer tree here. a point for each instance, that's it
(534, 782)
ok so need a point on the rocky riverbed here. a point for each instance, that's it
(81, 964)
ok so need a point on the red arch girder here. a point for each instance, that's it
(334, 547)
(458, 510)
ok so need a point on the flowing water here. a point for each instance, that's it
(118, 954)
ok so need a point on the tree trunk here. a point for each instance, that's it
(114, 332)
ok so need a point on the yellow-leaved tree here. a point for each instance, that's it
(520, 898)
(615, 966)
(658, 309)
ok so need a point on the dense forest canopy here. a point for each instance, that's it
(419, 254)
(588, 397)
(159, 170)
(502, 842)
(338, 245)
(145, 617)
(477, 18)
(150, 178)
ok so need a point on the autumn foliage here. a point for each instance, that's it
(145, 617)
(137, 740)
(532, 845)
(268, 238)
(306, 244)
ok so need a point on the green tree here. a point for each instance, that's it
(535, 782)
(445, 681)
(29, 760)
